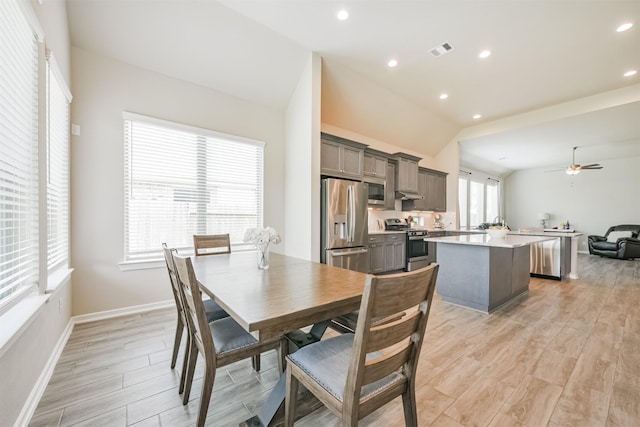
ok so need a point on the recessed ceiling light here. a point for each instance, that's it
(484, 54)
(477, 116)
(343, 15)
(444, 96)
(624, 27)
(630, 73)
(392, 63)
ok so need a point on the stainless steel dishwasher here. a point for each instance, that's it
(545, 258)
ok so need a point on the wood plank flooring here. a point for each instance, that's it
(568, 354)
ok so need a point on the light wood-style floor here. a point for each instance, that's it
(566, 355)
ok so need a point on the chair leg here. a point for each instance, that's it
(255, 362)
(283, 350)
(176, 342)
(185, 363)
(409, 405)
(207, 388)
(290, 399)
(193, 356)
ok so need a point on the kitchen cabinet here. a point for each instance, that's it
(407, 173)
(432, 186)
(341, 157)
(387, 252)
(436, 191)
(395, 251)
(390, 188)
(374, 165)
(376, 254)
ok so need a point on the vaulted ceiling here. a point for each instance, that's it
(542, 53)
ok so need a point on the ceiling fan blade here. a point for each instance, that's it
(594, 166)
(556, 170)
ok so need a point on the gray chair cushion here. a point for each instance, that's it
(213, 310)
(606, 246)
(228, 335)
(327, 362)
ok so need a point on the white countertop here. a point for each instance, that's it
(545, 233)
(371, 232)
(510, 240)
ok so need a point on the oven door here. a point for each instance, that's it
(417, 248)
(419, 253)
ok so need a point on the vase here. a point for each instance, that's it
(263, 256)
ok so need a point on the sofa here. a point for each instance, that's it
(620, 241)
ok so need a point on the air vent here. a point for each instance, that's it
(441, 49)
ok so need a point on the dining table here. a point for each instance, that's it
(291, 294)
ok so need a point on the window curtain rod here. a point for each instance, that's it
(491, 179)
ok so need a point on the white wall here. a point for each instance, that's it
(592, 201)
(23, 361)
(302, 165)
(104, 88)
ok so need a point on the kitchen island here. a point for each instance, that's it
(482, 273)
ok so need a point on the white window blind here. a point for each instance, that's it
(58, 98)
(19, 148)
(181, 181)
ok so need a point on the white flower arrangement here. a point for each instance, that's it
(262, 237)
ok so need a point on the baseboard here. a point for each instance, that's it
(31, 404)
(118, 312)
(38, 389)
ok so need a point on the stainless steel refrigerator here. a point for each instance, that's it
(344, 224)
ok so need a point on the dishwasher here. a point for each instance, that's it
(545, 259)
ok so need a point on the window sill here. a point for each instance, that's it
(19, 317)
(58, 278)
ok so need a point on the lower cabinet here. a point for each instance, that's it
(387, 252)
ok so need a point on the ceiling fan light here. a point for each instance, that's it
(573, 171)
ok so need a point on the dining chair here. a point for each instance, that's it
(220, 342)
(212, 309)
(211, 244)
(355, 374)
(216, 244)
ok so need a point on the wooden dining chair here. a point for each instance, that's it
(211, 244)
(355, 374)
(220, 343)
(212, 309)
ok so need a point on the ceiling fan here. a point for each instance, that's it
(575, 169)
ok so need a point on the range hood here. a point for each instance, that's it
(405, 195)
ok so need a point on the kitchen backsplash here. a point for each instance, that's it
(423, 219)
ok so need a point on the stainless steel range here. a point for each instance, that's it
(419, 253)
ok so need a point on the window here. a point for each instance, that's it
(58, 98)
(478, 200)
(19, 148)
(181, 181)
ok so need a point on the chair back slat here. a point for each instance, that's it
(388, 334)
(396, 293)
(381, 367)
(395, 346)
(211, 244)
(194, 306)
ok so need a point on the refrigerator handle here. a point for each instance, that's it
(350, 213)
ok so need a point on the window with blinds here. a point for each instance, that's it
(58, 98)
(19, 148)
(181, 181)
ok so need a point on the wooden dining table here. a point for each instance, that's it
(291, 294)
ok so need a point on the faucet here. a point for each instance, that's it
(499, 219)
